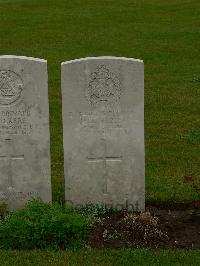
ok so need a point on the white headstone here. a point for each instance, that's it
(103, 128)
(24, 131)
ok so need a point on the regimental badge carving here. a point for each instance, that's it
(104, 87)
(11, 86)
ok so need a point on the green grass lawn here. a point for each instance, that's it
(165, 34)
(103, 257)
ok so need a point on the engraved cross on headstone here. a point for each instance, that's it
(105, 159)
(10, 157)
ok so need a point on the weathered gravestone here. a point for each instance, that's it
(103, 123)
(24, 131)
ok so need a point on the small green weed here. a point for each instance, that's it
(94, 210)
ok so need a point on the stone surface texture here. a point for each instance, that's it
(103, 131)
(24, 131)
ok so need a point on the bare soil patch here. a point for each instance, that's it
(158, 227)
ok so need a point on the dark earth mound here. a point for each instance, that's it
(157, 227)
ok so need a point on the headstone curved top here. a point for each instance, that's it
(103, 131)
(24, 131)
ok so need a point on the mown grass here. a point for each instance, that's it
(100, 257)
(165, 34)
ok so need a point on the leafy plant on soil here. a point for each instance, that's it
(135, 230)
(41, 225)
(144, 228)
